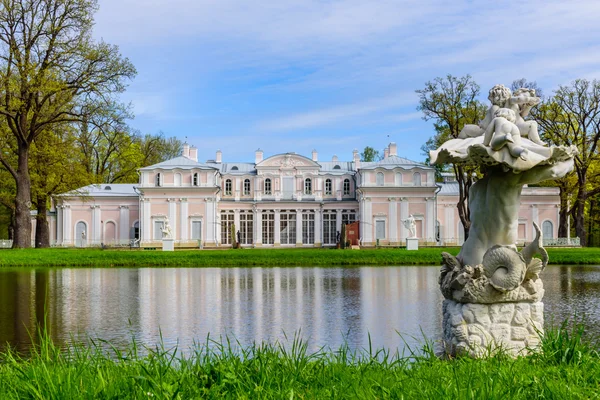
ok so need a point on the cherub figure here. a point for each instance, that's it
(499, 95)
(166, 230)
(503, 131)
(521, 103)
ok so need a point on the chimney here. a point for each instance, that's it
(393, 149)
(219, 157)
(194, 153)
(386, 152)
(186, 150)
(356, 159)
(335, 158)
(258, 156)
(314, 155)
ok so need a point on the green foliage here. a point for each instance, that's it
(225, 369)
(369, 154)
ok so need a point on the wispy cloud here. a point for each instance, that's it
(345, 113)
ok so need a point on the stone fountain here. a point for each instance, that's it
(493, 293)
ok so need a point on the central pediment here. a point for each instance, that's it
(288, 161)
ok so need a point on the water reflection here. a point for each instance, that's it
(328, 305)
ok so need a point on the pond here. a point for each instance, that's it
(388, 306)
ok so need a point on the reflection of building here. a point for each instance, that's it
(284, 200)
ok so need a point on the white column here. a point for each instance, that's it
(257, 227)
(535, 217)
(451, 228)
(238, 188)
(96, 225)
(147, 221)
(393, 218)
(338, 222)
(68, 229)
(210, 224)
(430, 219)
(403, 215)
(367, 231)
(319, 227)
(299, 227)
(173, 216)
(59, 225)
(124, 224)
(183, 222)
(236, 220)
(277, 228)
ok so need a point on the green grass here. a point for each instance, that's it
(223, 370)
(255, 257)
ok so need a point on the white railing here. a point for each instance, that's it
(562, 242)
(5, 244)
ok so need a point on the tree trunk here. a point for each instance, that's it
(463, 199)
(579, 213)
(563, 215)
(22, 233)
(42, 230)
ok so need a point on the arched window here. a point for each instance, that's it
(234, 168)
(379, 179)
(247, 187)
(228, 187)
(547, 230)
(178, 179)
(327, 186)
(307, 186)
(416, 179)
(268, 189)
(398, 178)
(195, 180)
(337, 167)
(158, 179)
(346, 187)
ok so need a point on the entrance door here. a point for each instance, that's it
(197, 230)
(379, 229)
(547, 230)
(158, 225)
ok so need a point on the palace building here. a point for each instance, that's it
(285, 200)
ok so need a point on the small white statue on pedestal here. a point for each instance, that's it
(411, 225)
(166, 230)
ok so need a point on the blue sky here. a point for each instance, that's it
(331, 75)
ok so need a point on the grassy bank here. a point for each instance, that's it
(565, 368)
(253, 257)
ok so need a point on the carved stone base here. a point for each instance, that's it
(412, 244)
(476, 329)
(168, 245)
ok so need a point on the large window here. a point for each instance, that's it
(268, 186)
(308, 227)
(246, 187)
(348, 217)
(268, 227)
(158, 227)
(379, 179)
(246, 227)
(196, 230)
(228, 187)
(287, 226)
(346, 187)
(329, 225)
(328, 186)
(195, 179)
(307, 186)
(226, 224)
(158, 179)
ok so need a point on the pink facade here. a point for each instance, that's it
(285, 200)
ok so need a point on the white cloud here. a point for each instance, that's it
(343, 113)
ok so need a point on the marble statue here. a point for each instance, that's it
(411, 225)
(492, 291)
(166, 230)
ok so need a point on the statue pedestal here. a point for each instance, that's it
(168, 245)
(475, 329)
(412, 244)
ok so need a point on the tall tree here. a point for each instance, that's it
(572, 117)
(451, 102)
(49, 67)
(157, 148)
(369, 154)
